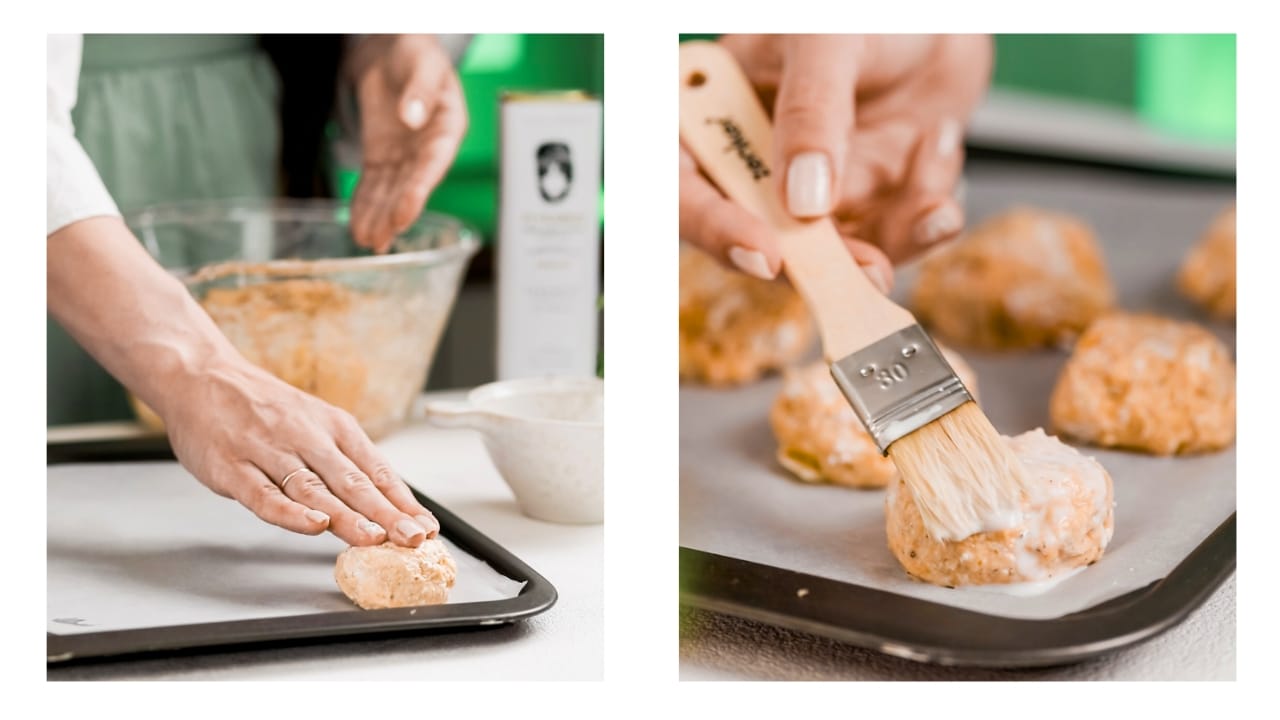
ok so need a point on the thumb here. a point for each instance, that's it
(813, 116)
(419, 88)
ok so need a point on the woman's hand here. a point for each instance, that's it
(241, 432)
(238, 429)
(868, 129)
(412, 119)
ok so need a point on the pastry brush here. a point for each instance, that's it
(963, 475)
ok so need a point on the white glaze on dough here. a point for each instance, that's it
(1066, 524)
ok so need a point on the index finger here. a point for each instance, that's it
(722, 228)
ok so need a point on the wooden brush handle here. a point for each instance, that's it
(724, 126)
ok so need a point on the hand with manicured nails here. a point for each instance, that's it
(238, 429)
(867, 129)
(412, 119)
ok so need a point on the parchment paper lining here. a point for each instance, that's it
(735, 500)
(133, 545)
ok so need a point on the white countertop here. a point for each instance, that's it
(451, 466)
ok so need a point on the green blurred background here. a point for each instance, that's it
(492, 65)
(1184, 85)
(1181, 84)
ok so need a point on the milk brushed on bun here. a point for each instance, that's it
(388, 575)
(1067, 522)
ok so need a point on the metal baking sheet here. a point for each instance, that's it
(737, 501)
(141, 558)
(739, 505)
(928, 632)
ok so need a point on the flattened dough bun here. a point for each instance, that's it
(1067, 521)
(735, 328)
(388, 575)
(1026, 278)
(1147, 383)
(821, 440)
(1208, 274)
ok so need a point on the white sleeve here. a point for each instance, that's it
(75, 191)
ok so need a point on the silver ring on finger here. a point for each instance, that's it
(291, 475)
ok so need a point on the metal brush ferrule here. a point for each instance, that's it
(899, 384)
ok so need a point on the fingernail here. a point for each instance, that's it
(877, 278)
(751, 262)
(949, 134)
(809, 184)
(415, 113)
(409, 529)
(316, 516)
(430, 523)
(369, 527)
(943, 222)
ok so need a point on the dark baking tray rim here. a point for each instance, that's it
(930, 632)
(537, 596)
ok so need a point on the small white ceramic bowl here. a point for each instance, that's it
(546, 437)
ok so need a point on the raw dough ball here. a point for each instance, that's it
(733, 327)
(1147, 383)
(388, 575)
(1025, 278)
(1066, 524)
(1208, 274)
(820, 439)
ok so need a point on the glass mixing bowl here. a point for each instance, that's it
(287, 284)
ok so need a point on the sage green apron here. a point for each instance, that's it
(164, 118)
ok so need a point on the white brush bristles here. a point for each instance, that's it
(964, 477)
